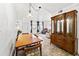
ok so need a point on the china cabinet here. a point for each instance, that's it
(64, 31)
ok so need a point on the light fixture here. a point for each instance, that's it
(30, 15)
(39, 7)
(60, 11)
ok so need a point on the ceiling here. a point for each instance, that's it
(52, 7)
(47, 9)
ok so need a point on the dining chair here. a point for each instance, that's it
(33, 48)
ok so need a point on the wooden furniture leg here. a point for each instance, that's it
(16, 52)
(40, 50)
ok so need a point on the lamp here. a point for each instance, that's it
(30, 15)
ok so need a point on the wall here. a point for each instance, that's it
(37, 15)
(7, 29)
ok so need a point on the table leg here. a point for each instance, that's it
(40, 50)
(16, 50)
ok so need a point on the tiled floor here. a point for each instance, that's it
(49, 49)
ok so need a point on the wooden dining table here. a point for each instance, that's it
(25, 39)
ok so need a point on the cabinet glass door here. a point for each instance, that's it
(52, 26)
(60, 25)
(69, 22)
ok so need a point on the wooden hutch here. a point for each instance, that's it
(64, 31)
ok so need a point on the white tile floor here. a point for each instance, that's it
(50, 49)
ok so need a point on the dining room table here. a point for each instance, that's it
(26, 40)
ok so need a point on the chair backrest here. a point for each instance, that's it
(36, 35)
(18, 33)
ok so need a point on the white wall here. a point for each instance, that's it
(7, 28)
(37, 15)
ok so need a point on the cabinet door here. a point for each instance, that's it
(60, 24)
(70, 24)
(52, 26)
(70, 45)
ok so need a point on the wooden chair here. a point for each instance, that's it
(34, 46)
